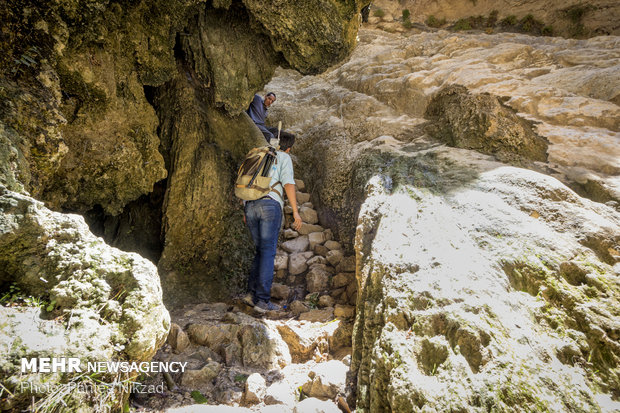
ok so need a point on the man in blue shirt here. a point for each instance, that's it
(263, 217)
(258, 112)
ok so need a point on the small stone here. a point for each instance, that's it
(337, 292)
(280, 291)
(326, 301)
(201, 378)
(309, 228)
(291, 279)
(347, 264)
(327, 380)
(308, 215)
(308, 205)
(334, 257)
(297, 262)
(320, 250)
(352, 288)
(315, 238)
(329, 235)
(299, 244)
(280, 262)
(301, 186)
(297, 307)
(332, 245)
(343, 279)
(281, 275)
(316, 260)
(318, 316)
(289, 233)
(317, 279)
(255, 389)
(288, 209)
(344, 311)
(177, 338)
(302, 197)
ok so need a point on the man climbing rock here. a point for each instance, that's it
(258, 112)
(264, 217)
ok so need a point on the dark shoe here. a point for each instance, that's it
(267, 306)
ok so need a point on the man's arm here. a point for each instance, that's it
(290, 194)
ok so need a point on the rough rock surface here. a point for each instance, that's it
(480, 285)
(98, 303)
(572, 18)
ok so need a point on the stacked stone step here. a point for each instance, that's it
(313, 277)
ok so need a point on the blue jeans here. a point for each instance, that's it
(263, 217)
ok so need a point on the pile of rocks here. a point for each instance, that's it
(292, 360)
(313, 277)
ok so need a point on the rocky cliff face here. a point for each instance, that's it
(105, 100)
(482, 284)
(559, 18)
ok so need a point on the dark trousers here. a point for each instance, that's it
(263, 218)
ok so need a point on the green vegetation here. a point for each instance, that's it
(509, 20)
(199, 397)
(15, 297)
(462, 24)
(433, 21)
(575, 14)
(378, 13)
(406, 19)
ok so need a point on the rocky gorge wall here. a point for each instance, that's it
(461, 170)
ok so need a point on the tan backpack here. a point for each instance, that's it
(253, 176)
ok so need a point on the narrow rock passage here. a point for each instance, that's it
(291, 360)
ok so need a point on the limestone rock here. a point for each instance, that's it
(319, 316)
(297, 262)
(343, 279)
(317, 279)
(177, 338)
(114, 298)
(320, 250)
(344, 311)
(289, 233)
(280, 393)
(327, 380)
(255, 389)
(347, 264)
(296, 245)
(334, 257)
(415, 213)
(341, 337)
(297, 307)
(199, 379)
(316, 260)
(315, 238)
(300, 185)
(308, 228)
(281, 262)
(326, 301)
(302, 198)
(333, 245)
(308, 215)
(482, 122)
(280, 291)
